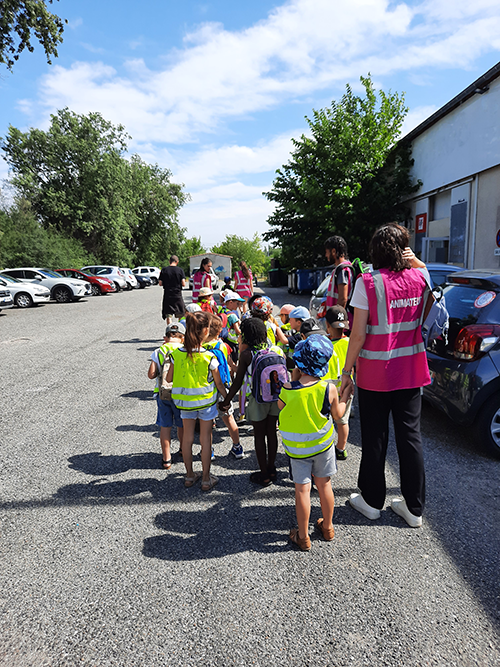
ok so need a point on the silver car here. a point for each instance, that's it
(114, 273)
(318, 299)
(25, 294)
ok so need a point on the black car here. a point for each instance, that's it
(143, 281)
(465, 370)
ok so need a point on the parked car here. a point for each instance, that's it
(114, 273)
(439, 272)
(24, 294)
(98, 284)
(131, 279)
(318, 298)
(143, 281)
(6, 300)
(61, 289)
(465, 370)
(152, 272)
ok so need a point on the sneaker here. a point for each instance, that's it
(399, 506)
(212, 456)
(237, 451)
(340, 454)
(357, 501)
(240, 419)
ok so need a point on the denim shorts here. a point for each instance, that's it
(321, 465)
(167, 414)
(205, 415)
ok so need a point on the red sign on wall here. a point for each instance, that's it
(421, 223)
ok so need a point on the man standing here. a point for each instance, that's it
(340, 287)
(172, 279)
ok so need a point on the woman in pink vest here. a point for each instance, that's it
(202, 278)
(386, 341)
(243, 283)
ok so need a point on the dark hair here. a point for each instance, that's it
(253, 332)
(338, 244)
(195, 323)
(387, 245)
(204, 262)
(173, 258)
(244, 270)
(215, 325)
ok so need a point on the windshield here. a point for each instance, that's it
(9, 279)
(49, 273)
(321, 291)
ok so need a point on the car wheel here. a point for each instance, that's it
(488, 424)
(154, 281)
(118, 288)
(23, 300)
(62, 294)
(129, 287)
(95, 289)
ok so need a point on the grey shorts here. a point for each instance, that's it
(257, 412)
(321, 465)
(347, 414)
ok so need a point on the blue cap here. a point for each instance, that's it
(300, 313)
(313, 354)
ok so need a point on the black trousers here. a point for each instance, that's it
(374, 410)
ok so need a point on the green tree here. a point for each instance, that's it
(80, 184)
(346, 178)
(18, 20)
(249, 250)
(188, 248)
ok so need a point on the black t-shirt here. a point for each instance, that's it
(171, 278)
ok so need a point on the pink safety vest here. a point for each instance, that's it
(393, 354)
(332, 294)
(200, 279)
(242, 284)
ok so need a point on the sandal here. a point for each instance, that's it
(208, 486)
(329, 534)
(258, 477)
(166, 464)
(304, 543)
(191, 481)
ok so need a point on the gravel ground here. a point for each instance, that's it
(108, 560)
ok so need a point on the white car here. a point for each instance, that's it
(152, 272)
(25, 294)
(6, 300)
(61, 289)
(130, 278)
(114, 273)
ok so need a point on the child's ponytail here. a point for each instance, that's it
(195, 324)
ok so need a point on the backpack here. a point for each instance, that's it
(437, 321)
(356, 267)
(225, 331)
(165, 387)
(224, 372)
(269, 374)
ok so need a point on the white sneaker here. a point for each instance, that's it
(357, 501)
(398, 505)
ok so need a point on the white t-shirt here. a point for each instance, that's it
(359, 297)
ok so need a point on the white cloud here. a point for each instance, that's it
(415, 117)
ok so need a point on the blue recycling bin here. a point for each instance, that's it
(306, 280)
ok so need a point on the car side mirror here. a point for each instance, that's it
(314, 292)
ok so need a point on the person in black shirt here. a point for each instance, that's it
(172, 279)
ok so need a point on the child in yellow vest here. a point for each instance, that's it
(167, 412)
(308, 407)
(195, 380)
(336, 324)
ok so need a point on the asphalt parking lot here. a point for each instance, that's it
(107, 560)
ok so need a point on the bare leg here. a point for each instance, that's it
(303, 508)
(232, 428)
(327, 500)
(187, 445)
(343, 434)
(165, 433)
(206, 447)
(180, 436)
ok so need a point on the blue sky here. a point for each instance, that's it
(215, 90)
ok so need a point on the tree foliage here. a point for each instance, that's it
(346, 178)
(249, 250)
(190, 246)
(19, 19)
(79, 184)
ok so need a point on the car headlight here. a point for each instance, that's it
(103, 282)
(77, 285)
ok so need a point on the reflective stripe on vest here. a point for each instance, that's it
(199, 281)
(165, 350)
(332, 294)
(242, 284)
(271, 337)
(304, 430)
(191, 388)
(393, 354)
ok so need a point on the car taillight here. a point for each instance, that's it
(475, 340)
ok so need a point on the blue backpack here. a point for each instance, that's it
(224, 372)
(269, 374)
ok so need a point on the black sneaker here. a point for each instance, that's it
(340, 454)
